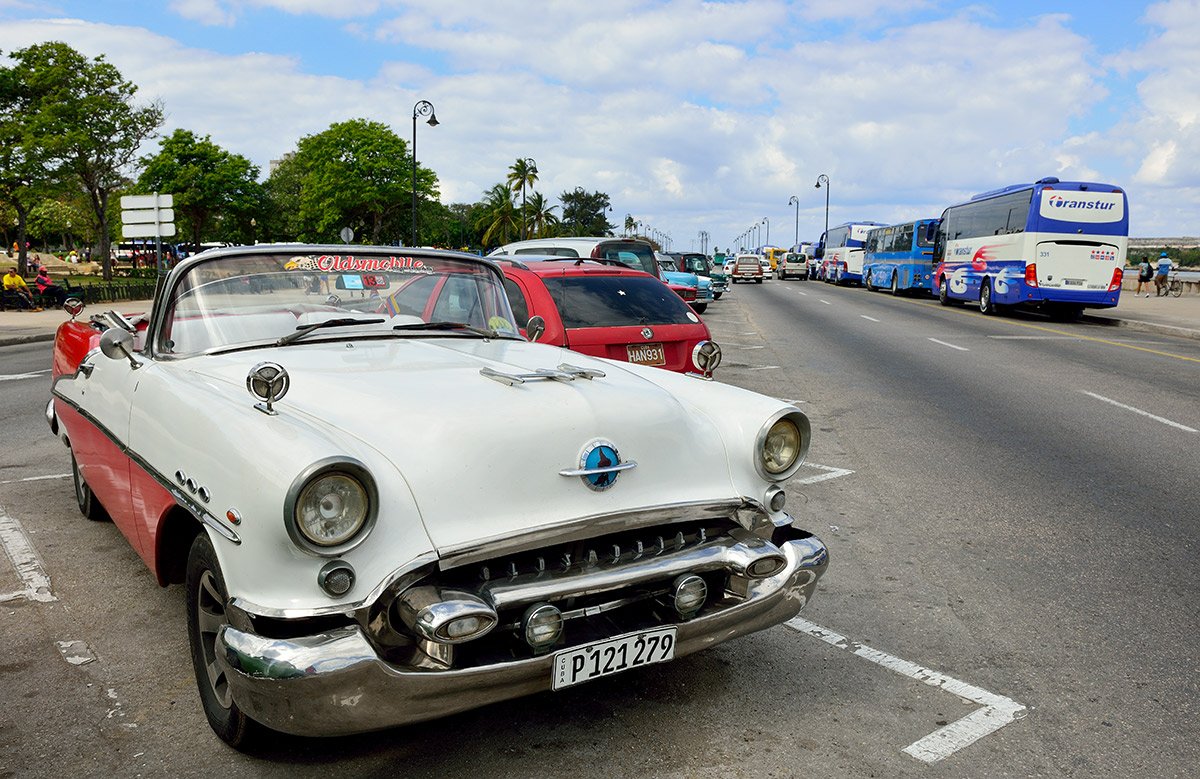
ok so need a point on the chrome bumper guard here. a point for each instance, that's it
(334, 683)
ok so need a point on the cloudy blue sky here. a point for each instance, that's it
(691, 115)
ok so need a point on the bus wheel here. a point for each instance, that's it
(895, 284)
(944, 292)
(867, 281)
(986, 306)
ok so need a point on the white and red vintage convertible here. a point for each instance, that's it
(387, 505)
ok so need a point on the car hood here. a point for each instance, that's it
(481, 458)
(679, 277)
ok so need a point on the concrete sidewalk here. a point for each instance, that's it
(1169, 316)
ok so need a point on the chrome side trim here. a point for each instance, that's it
(624, 466)
(182, 498)
(582, 528)
(735, 554)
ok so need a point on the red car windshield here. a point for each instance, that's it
(617, 301)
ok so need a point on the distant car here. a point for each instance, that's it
(633, 252)
(748, 267)
(670, 273)
(766, 266)
(386, 506)
(701, 265)
(607, 311)
(793, 265)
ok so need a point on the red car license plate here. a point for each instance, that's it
(647, 354)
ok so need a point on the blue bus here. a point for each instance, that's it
(900, 257)
(1055, 245)
(842, 251)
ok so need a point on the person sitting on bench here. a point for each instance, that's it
(16, 291)
(48, 289)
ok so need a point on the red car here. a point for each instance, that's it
(608, 311)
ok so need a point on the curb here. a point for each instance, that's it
(17, 340)
(1144, 327)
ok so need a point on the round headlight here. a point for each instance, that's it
(331, 509)
(782, 446)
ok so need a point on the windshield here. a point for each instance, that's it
(243, 299)
(638, 256)
(616, 301)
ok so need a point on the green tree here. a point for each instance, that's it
(211, 186)
(522, 174)
(356, 174)
(497, 217)
(585, 213)
(85, 113)
(539, 215)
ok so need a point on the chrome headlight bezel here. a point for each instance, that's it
(796, 417)
(344, 466)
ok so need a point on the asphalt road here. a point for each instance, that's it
(993, 515)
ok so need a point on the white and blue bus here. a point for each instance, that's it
(1056, 245)
(900, 257)
(842, 250)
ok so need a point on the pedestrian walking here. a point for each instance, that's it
(1145, 275)
(1164, 267)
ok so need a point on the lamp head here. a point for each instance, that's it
(433, 122)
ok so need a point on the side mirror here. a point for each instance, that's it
(116, 344)
(534, 328)
(931, 230)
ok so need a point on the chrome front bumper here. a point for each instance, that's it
(334, 683)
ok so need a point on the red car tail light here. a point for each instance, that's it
(1115, 284)
(1031, 275)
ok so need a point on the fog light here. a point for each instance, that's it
(776, 498)
(336, 578)
(542, 625)
(690, 593)
(765, 566)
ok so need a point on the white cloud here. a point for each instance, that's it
(209, 12)
(664, 105)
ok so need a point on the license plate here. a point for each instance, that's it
(647, 354)
(1073, 282)
(604, 658)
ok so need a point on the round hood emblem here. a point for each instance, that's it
(599, 463)
(647, 333)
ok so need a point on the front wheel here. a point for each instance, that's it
(89, 506)
(867, 281)
(1176, 288)
(986, 306)
(206, 602)
(717, 295)
(895, 285)
(758, 281)
(944, 291)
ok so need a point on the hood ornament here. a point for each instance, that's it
(599, 465)
(268, 381)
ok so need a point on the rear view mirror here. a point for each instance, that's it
(534, 328)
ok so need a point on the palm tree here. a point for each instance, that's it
(498, 218)
(541, 215)
(522, 173)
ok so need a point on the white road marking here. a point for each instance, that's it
(826, 302)
(766, 368)
(952, 346)
(801, 292)
(789, 400)
(830, 473)
(37, 478)
(25, 561)
(16, 376)
(740, 346)
(1137, 410)
(864, 316)
(997, 710)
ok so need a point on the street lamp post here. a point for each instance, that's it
(793, 200)
(422, 108)
(767, 222)
(530, 167)
(825, 179)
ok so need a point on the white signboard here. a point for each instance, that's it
(162, 230)
(1090, 207)
(148, 215)
(147, 201)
